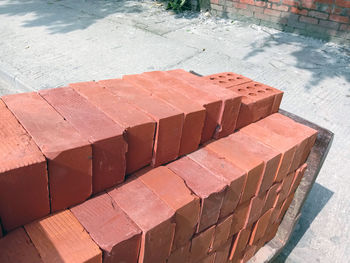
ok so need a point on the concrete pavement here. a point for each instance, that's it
(50, 43)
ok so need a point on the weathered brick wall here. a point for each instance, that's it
(326, 19)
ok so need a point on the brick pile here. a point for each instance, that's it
(197, 189)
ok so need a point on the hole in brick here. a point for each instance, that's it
(239, 78)
(257, 85)
(240, 90)
(250, 87)
(261, 91)
(221, 76)
(268, 89)
(229, 74)
(221, 81)
(231, 80)
(212, 78)
(251, 94)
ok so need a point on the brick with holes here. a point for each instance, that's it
(231, 101)
(228, 79)
(139, 127)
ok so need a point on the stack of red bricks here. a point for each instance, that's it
(211, 169)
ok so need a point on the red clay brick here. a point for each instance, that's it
(291, 2)
(241, 157)
(172, 190)
(222, 233)
(297, 178)
(255, 207)
(285, 187)
(248, 253)
(140, 128)
(233, 176)
(16, 247)
(272, 12)
(239, 218)
(227, 79)
(343, 3)
(231, 102)
(180, 255)
(285, 207)
(340, 19)
(61, 238)
(153, 217)
(201, 244)
(108, 144)
(303, 136)
(280, 7)
(223, 252)
(271, 232)
(239, 244)
(23, 167)
(308, 20)
(68, 154)
(258, 102)
(169, 120)
(260, 227)
(271, 197)
(113, 231)
(208, 259)
(205, 185)
(284, 145)
(298, 11)
(263, 152)
(194, 114)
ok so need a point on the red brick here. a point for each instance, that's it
(272, 12)
(108, 144)
(240, 5)
(222, 233)
(180, 255)
(23, 167)
(140, 128)
(285, 187)
(249, 2)
(223, 252)
(205, 185)
(111, 229)
(340, 19)
(280, 7)
(68, 154)
(324, 1)
(318, 14)
(260, 227)
(231, 102)
(153, 217)
(271, 197)
(172, 190)
(291, 2)
(298, 11)
(229, 79)
(239, 244)
(248, 253)
(143, 86)
(263, 152)
(308, 20)
(271, 232)
(260, 3)
(60, 237)
(297, 178)
(201, 244)
(255, 208)
(285, 207)
(16, 247)
(208, 259)
(233, 176)
(303, 136)
(258, 102)
(282, 144)
(343, 3)
(239, 218)
(170, 120)
(244, 159)
(308, 4)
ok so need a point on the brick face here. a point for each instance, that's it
(311, 17)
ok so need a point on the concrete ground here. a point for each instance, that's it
(49, 43)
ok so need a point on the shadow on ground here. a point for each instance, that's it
(61, 16)
(317, 199)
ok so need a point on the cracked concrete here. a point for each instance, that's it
(50, 43)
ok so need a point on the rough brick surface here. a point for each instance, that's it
(239, 244)
(194, 114)
(201, 244)
(233, 176)
(260, 227)
(140, 128)
(297, 178)
(223, 252)
(222, 233)
(205, 185)
(173, 191)
(112, 230)
(270, 156)
(108, 144)
(239, 218)
(231, 101)
(61, 238)
(16, 247)
(68, 154)
(255, 207)
(228, 79)
(243, 158)
(23, 167)
(180, 255)
(152, 216)
(169, 119)
(271, 197)
(282, 144)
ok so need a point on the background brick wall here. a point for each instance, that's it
(326, 19)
